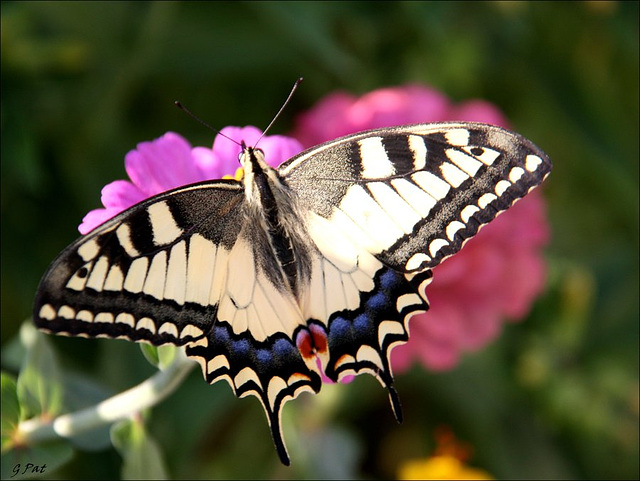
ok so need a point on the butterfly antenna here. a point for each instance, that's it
(202, 122)
(293, 89)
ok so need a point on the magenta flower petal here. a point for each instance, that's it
(228, 151)
(277, 148)
(116, 197)
(162, 164)
(96, 217)
(121, 194)
(497, 275)
(210, 165)
(319, 124)
(478, 111)
(385, 107)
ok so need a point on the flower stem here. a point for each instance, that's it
(144, 395)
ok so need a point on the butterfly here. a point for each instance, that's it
(312, 268)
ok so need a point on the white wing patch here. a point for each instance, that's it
(464, 161)
(154, 284)
(176, 283)
(200, 269)
(115, 279)
(136, 275)
(453, 175)
(419, 150)
(89, 250)
(417, 198)
(98, 274)
(532, 162)
(123, 232)
(457, 137)
(431, 184)
(484, 154)
(395, 206)
(369, 216)
(163, 225)
(374, 159)
(338, 276)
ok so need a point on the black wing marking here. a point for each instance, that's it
(272, 370)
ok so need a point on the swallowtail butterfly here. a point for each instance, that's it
(318, 264)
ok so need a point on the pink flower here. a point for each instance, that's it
(496, 276)
(170, 161)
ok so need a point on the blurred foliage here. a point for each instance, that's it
(554, 397)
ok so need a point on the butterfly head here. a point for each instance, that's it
(244, 158)
(260, 179)
(252, 160)
(249, 154)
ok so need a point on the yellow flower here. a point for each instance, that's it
(440, 467)
(447, 461)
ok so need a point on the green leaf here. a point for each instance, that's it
(166, 356)
(150, 353)
(36, 461)
(10, 410)
(142, 457)
(159, 356)
(39, 385)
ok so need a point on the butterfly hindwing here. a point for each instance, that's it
(360, 340)
(361, 306)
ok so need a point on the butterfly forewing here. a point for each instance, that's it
(412, 195)
(148, 274)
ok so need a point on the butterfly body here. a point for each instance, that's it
(311, 269)
(270, 208)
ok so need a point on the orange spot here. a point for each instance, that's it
(311, 342)
(319, 339)
(304, 344)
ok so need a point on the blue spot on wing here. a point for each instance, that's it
(283, 348)
(362, 322)
(340, 327)
(263, 356)
(241, 347)
(221, 334)
(349, 330)
(377, 301)
(389, 279)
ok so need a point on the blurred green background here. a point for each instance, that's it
(555, 397)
